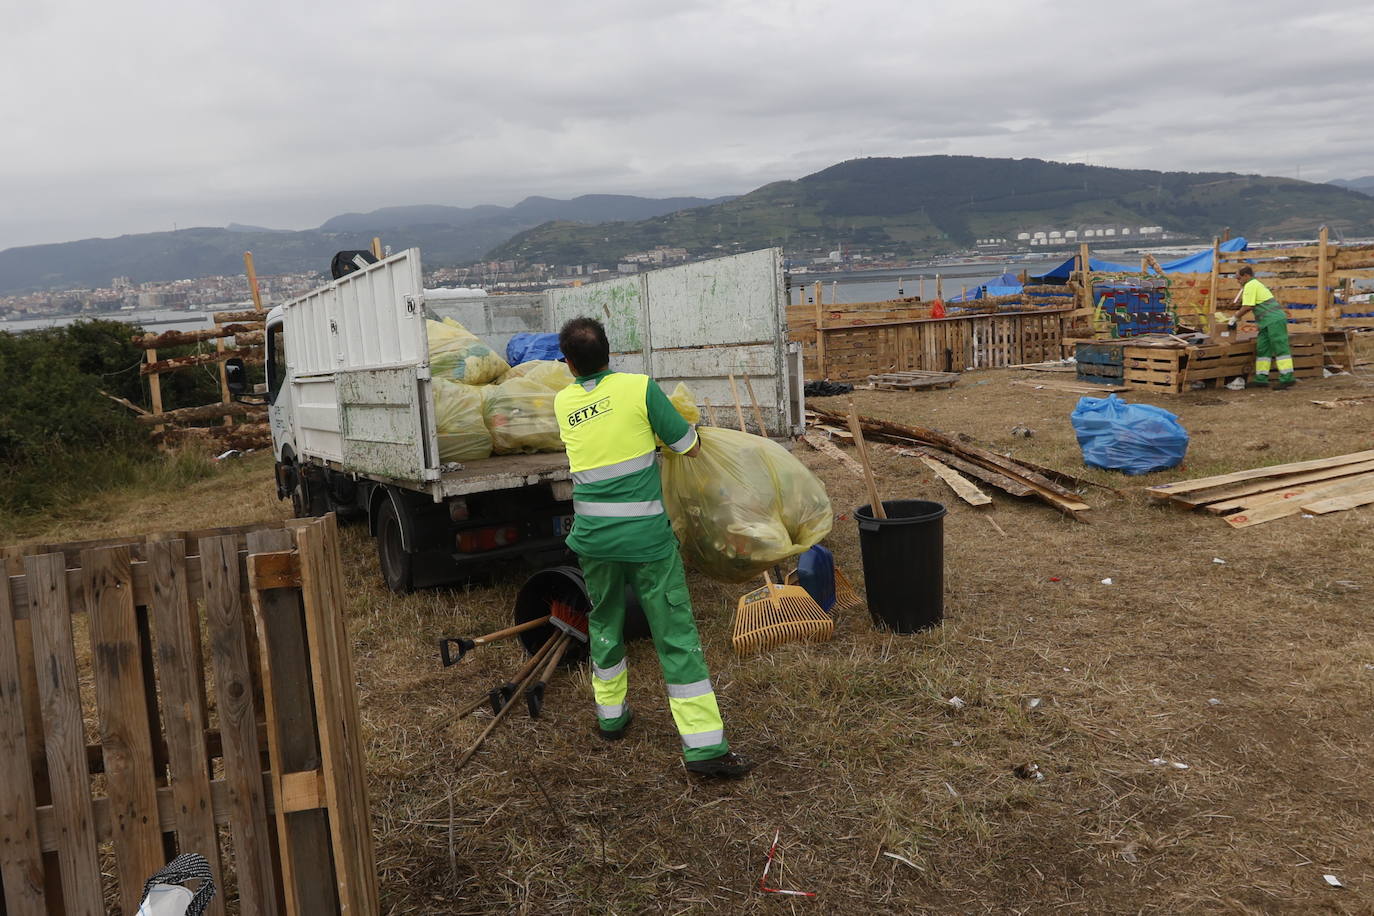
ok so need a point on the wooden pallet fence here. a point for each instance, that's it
(201, 663)
(936, 344)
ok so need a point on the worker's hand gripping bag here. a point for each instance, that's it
(456, 354)
(1134, 438)
(743, 504)
(519, 415)
(463, 435)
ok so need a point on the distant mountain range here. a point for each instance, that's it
(447, 235)
(911, 206)
(1364, 185)
(928, 204)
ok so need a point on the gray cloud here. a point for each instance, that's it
(136, 116)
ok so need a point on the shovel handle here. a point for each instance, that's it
(511, 631)
(534, 698)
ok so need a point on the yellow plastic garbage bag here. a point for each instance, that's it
(519, 415)
(455, 353)
(551, 373)
(462, 432)
(743, 504)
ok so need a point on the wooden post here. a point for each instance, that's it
(252, 280)
(377, 247)
(1212, 284)
(923, 288)
(939, 288)
(154, 386)
(817, 290)
(1085, 262)
(820, 343)
(1323, 280)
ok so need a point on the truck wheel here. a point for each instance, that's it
(397, 566)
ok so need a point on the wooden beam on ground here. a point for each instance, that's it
(1171, 490)
(1293, 501)
(961, 486)
(1340, 503)
(831, 450)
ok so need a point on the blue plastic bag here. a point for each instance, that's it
(1134, 438)
(525, 347)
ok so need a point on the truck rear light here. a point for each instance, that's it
(482, 539)
(458, 510)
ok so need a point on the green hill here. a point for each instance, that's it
(929, 204)
(448, 236)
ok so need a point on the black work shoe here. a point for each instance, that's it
(619, 732)
(728, 766)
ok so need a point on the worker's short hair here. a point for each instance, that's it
(584, 345)
(1246, 271)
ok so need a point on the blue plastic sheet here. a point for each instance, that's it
(1133, 438)
(525, 347)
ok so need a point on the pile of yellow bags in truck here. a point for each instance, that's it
(484, 405)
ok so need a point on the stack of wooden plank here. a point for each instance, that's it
(961, 455)
(1253, 497)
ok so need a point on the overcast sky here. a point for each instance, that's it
(136, 116)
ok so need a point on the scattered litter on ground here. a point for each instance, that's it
(1214, 702)
(1219, 561)
(1176, 764)
(1029, 771)
(903, 859)
(232, 453)
(956, 702)
(1033, 702)
(1128, 852)
(1332, 880)
(1236, 384)
(1108, 581)
(763, 879)
(1025, 432)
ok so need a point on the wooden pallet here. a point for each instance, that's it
(159, 629)
(913, 381)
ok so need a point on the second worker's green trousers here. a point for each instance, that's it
(661, 586)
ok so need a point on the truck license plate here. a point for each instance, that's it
(562, 525)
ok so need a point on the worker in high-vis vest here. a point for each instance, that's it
(621, 534)
(1272, 344)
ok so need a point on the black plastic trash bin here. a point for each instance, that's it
(904, 563)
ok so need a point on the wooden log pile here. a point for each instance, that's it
(961, 454)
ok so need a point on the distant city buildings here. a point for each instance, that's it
(123, 295)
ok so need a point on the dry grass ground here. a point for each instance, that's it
(1258, 674)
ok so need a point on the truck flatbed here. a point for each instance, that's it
(505, 472)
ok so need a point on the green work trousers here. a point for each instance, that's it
(1272, 345)
(662, 589)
